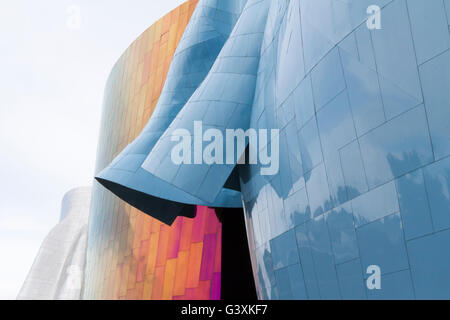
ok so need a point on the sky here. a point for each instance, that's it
(55, 57)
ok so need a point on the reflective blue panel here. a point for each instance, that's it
(291, 68)
(429, 27)
(232, 79)
(363, 140)
(395, 58)
(310, 147)
(381, 243)
(284, 250)
(196, 53)
(353, 170)
(394, 286)
(276, 216)
(336, 184)
(375, 204)
(295, 157)
(297, 282)
(435, 76)
(323, 258)
(326, 22)
(327, 79)
(351, 280)
(414, 206)
(297, 206)
(336, 129)
(397, 147)
(286, 112)
(363, 133)
(290, 283)
(365, 47)
(437, 181)
(265, 273)
(318, 192)
(304, 103)
(316, 44)
(447, 6)
(364, 93)
(306, 260)
(336, 124)
(342, 233)
(285, 172)
(284, 284)
(430, 261)
(349, 45)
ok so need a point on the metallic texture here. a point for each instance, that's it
(362, 116)
(58, 269)
(131, 255)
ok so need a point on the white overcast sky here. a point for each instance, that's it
(52, 79)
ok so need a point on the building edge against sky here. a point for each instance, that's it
(364, 152)
(58, 269)
(131, 255)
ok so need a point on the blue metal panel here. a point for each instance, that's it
(363, 116)
(205, 36)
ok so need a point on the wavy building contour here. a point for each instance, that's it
(364, 144)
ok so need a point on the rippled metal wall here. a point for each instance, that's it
(58, 269)
(131, 255)
(364, 138)
(364, 151)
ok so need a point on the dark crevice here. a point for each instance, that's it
(237, 275)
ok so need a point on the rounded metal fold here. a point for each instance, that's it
(207, 32)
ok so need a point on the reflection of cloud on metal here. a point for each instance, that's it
(58, 270)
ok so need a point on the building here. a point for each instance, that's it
(130, 254)
(58, 270)
(357, 96)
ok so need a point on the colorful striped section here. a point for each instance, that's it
(131, 255)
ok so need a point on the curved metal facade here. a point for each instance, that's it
(58, 269)
(364, 166)
(153, 193)
(131, 255)
(364, 142)
(363, 152)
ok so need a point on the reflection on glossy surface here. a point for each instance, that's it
(381, 243)
(363, 115)
(351, 280)
(397, 147)
(413, 201)
(368, 187)
(437, 181)
(430, 260)
(435, 76)
(169, 191)
(131, 255)
(342, 233)
(397, 286)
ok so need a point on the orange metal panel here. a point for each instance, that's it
(194, 264)
(169, 279)
(135, 256)
(181, 273)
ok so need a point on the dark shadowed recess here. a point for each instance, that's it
(161, 209)
(237, 276)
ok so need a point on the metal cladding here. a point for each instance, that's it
(362, 115)
(207, 31)
(130, 254)
(58, 269)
